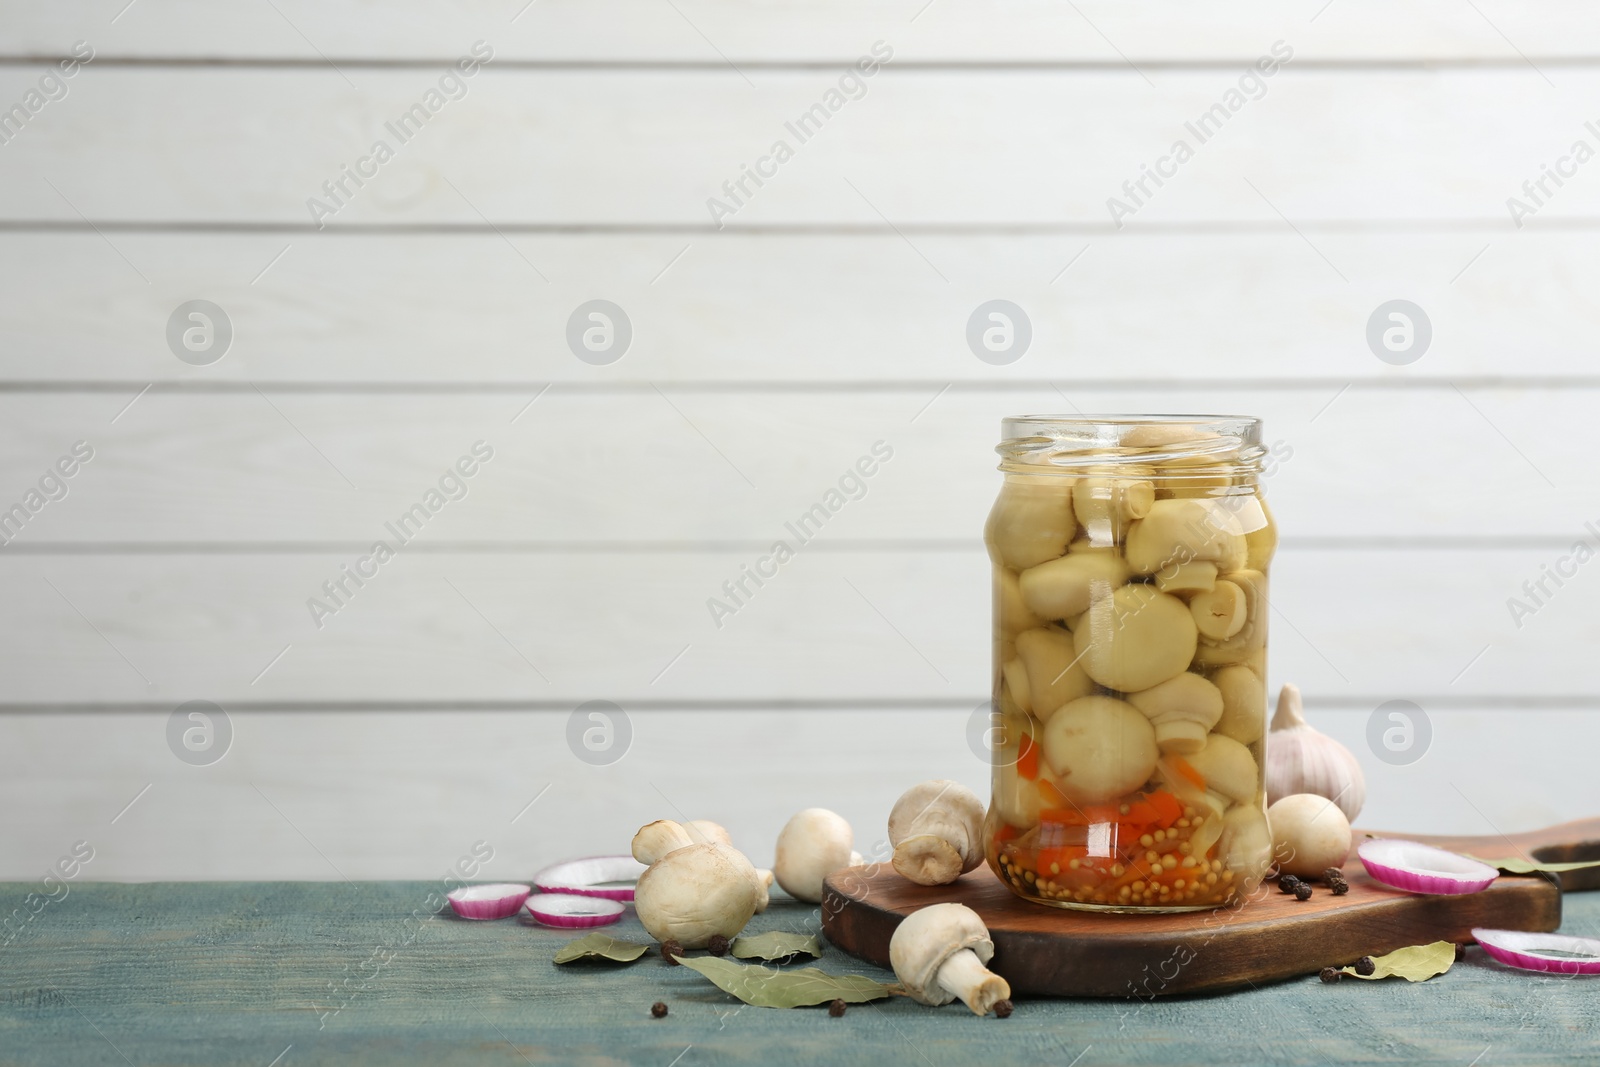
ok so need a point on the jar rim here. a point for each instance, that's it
(1079, 439)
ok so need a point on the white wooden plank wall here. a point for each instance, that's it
(767, 356)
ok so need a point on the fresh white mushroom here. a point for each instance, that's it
(812, 845)
(1309, 834)
(936, 829)
(1183, 709)
(1228, 768)
(1099, 748)
(1064, 587)
(657, 839)
(1178, 531)
(940, 953)
(1136, 638)
(1244, 704)
(1032, 520)
(1054, 673)
(696, 892)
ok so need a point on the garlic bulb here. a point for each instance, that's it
(1303, 760)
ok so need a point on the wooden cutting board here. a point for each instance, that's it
(1049, 951)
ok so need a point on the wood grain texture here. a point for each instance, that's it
(1213, 310)
(704, 31)
(920, 147)
(235, 973)
(1044, 951)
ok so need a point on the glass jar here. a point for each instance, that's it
(1130, 558)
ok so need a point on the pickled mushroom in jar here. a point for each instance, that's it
(1099, 748)
(1032, 521)
(1136, 638)
(1130, 653)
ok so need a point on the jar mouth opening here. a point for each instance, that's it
(1074, 441)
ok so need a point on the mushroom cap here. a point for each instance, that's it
(943, 811)
(936, 794)
(1099, 748)
(812, 845)
(695, 892)
(929, 936)
(656, 839)
(1228, 768)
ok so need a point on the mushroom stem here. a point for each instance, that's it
(978, 987)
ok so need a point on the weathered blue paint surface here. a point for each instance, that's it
(312, 973)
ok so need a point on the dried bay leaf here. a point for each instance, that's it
(1414, 963)
(776, 945)
(767, 988)
(601, 946)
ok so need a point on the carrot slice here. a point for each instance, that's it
(1185, 768)
(1028, 759)
(1168, 808)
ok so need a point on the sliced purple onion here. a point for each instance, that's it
(1560, 953)
(488, 901)
(585, 877)
(1418, 868)
(570, 911)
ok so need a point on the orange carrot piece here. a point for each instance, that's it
(1028, 759)
(1168, 808)
(1185, 768)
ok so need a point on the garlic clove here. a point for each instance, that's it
(1301, 759)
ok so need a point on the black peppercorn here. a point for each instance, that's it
(1331, 974)
(671, 950)
(1302, 891)
(718, 945)
(1333, 874)
(836, 1008)
(1287, 883)
(1002, 1009)
(1461, 951)
(1340, 888)
(1364, 966)
(658, 1010)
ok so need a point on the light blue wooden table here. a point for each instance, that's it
(288, 974)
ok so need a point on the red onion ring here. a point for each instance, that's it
(571, 911)
(582, 877)
(1529, 951)
(1420, 868)
(488, 901)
